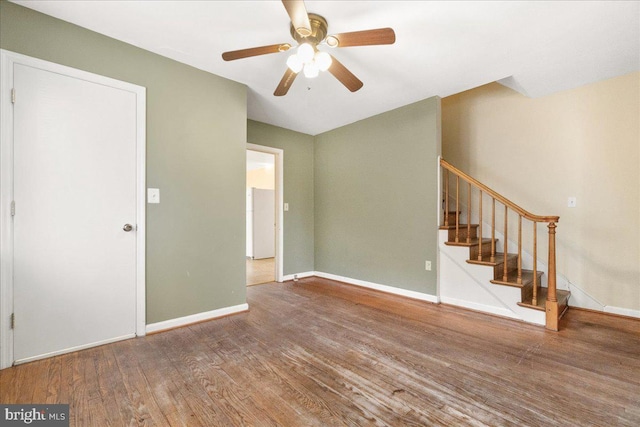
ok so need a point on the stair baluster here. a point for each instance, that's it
(534, 299)
(480, 226)
(493, 229)
(519, 280)
(457, 208)
(446, 198)
(469, 214)
(506, 243)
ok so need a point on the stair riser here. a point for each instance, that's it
(527, 292)
(451, 218)
(498, 270)
(462, 233)
(486, 251)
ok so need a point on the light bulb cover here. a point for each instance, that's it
(305, 52)
(323, 60)
(311, 70)
(294, 63)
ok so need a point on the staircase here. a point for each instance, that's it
(523, 288)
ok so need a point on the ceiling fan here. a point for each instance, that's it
(310, 31)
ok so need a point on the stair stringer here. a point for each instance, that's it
(468, 285)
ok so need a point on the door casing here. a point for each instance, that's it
(279, 187)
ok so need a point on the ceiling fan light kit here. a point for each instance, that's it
(309, 59)
(305, 53)
(310, 30)
(323, 60)
(311, 70)
(295, 63)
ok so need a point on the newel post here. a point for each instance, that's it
(552, 297)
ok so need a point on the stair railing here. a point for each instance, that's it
(551, 304)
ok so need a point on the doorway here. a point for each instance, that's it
(73, 147)
(263, 215)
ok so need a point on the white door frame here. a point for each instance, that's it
(7, 61)
(279, 169)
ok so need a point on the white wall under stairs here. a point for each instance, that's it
(469, 285)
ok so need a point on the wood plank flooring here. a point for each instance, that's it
(321, 353)
(260, 271)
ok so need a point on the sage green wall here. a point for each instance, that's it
(298, 191)
(196, 135)
(375, 198)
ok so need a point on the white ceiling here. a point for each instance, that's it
(442, 48)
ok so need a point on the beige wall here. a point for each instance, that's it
(537, 152)
(264, 178)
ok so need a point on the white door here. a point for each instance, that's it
(74, 189)
(264, 223)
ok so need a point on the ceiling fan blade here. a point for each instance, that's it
(345, 76)
(363, 38)
(299, 16)
(255, 51)
(285, 83)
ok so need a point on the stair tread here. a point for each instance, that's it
(497, 259)
(460, 226)
(563, 298)
(512, 278)
(472, 242)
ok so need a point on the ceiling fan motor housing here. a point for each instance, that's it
(318, 30)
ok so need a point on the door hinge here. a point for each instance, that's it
(13, 208)
(13, 96)
(13, 320)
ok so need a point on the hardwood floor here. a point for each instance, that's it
(260, 271)
(320, 353)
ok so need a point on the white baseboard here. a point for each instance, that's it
(383, 288)
(491, 309)
(194, 318)
(299, 275)
(622, 311)
(72, 349)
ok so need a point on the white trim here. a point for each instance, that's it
(439, 195)
(7, 61)
(490, 309)
(621, 311)
(300, 275)
(383, 288)
(6, 196)
(279, 169)
(72, 349)
(195, 318)
(141, 208)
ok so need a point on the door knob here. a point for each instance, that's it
(127, 227)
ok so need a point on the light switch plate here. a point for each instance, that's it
(286, 207)
(571, 202)
(427, 265)
(153, 195)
